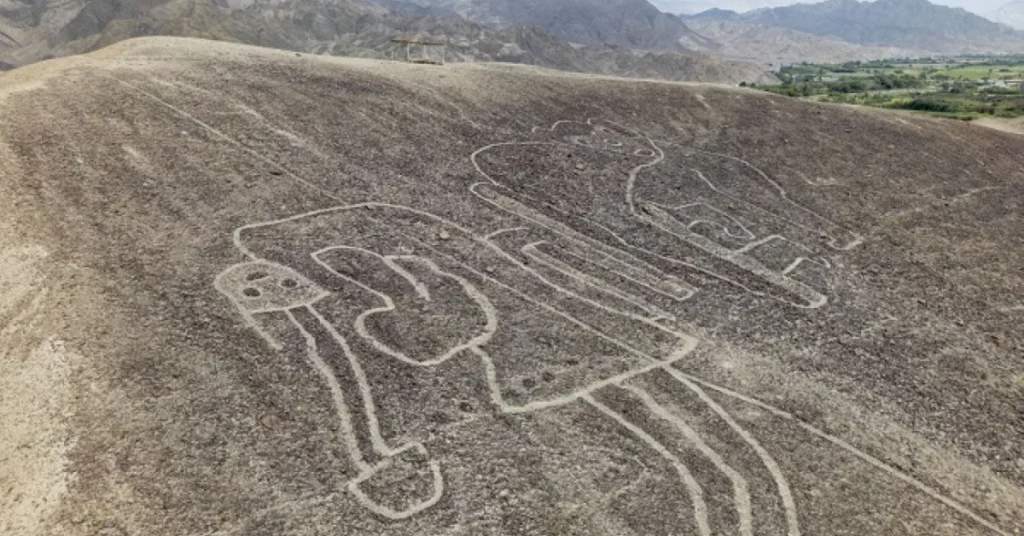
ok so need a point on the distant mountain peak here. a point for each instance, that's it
(633, 24)
(1011, 14)
(513, 31)
(909, 24)
(715, 14)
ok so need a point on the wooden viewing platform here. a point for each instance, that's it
(409, 43)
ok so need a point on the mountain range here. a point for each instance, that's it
(613, 37)
(773, 46)
(910, 24)
(642, 45)
(1011, 14)
(689, 7)
(627, 23)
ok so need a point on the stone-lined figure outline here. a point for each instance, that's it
(236, 282)
(708, 218)
(647, 276)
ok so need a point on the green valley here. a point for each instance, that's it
(964, 88)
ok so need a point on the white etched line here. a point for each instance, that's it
(437, 481)
(785, 493)
(746, 233)
(635, 173)
(497, 249)
(248, 316)
(229, 139)
(626, 244)
(535, 130)
(524, 212)
(857, 239)
(474, 158)
(489, 311)
(687, 340)
(500, 232)
(639, 269)
(700, 509)
(794, 265)
(660, 219)
(496, 397)
(877, 463)
(532, 251)
(762, 241)
(741, 489)
(421, 290)
(757, 208)
(369, 406)
(640, 279)
(337, 396)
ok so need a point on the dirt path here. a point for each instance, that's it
(1013, 126)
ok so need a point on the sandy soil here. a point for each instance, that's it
(250, 292)
(1015, 126)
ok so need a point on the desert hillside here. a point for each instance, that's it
(33, 30)
(774, 46)
(249, 292)
(907, 24)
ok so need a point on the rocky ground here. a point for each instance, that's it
(40, 29)
(252, 292)
(1015, 126)
(774, 47)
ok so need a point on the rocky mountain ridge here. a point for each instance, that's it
(627, 23)
(344, 27)
(910, 24)
(773, 46)
(1011, 14)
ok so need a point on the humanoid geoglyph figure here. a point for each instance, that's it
(571, 304)
(378, 293)
(706, 213)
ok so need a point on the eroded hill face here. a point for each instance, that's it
(1011, 14)
(633, 24)
(771, 45)
(249, 292)
(909, 24)
(31, 32)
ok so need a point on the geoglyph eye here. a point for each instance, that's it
(257, 275)
(264, 286)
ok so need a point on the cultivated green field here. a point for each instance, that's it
(990, 71)
(962, 88)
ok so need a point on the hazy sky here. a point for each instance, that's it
(675, 6)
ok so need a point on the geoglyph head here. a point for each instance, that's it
(261, 287)
(603, 136)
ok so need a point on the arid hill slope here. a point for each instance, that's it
(1011, 14)
(360, 28)
(908, 24)
(626, 23)
(253, 292)
(774, 46)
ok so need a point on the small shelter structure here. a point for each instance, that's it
(419, 49)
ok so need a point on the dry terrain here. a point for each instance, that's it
(33, 30)
(249, 292)
(773, 46)
(1015, 126)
